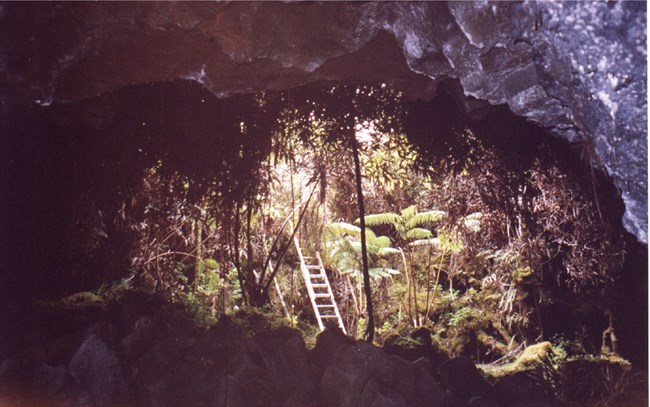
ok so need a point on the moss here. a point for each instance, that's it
(600, 380)
(253, 320)
(408, 342)
(80, 300)
(99, 299)
(533, 357)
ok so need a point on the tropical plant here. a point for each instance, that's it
(343, 247)
(343, 252)
(410, 233)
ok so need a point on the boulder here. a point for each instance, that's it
(97, 368)
(358, 373)
(141, 337)
(465, 383)
(520, 390)
(225, 366)
(414, 347)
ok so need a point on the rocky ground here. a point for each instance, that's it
(142, 351)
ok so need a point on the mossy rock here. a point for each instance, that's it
(253, 320)
(533, 357)
(81, 300)
(599, 380)
(413, 346)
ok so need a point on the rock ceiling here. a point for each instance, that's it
(575, 69)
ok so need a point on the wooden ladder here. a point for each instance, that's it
(319, 289)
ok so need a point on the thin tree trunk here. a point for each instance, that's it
(426, 313)
(235, 257)
(357, 309)
(409, 300)
(370, 330)
(435, 285)
(414, 288)
(199, 260)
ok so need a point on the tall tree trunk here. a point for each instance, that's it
(370, 330)
(198, 267)
(236, 227)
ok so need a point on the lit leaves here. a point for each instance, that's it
(344, 248)
(408, 224)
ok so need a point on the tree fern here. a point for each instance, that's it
(426, 242)
(385, 251)
(381, 272)
(424, 219)
(342, 229)
(377, 273)
(408, 224)
(418, 233)
(344, 248)
(381, 219)
(382, 242)
(408, 213)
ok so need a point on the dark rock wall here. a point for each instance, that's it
(576, 69)
(144, 352)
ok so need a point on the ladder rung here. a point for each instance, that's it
(315, 272)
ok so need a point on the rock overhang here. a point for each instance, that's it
(575, 69)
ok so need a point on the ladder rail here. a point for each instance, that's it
(329, 289)
(313, 295)
(307, 278)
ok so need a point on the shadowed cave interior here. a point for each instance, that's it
(77, 175)
(173, 175)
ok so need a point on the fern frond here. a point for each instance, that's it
(342, 228)
(381, 219)
(381, 272)
(408, 213)
(426, 242)
(384, 251)
(382, 242)
(419, 233)
(370, 235)
(424, 218)
(356, 246)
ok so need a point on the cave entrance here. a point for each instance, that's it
(483, 229)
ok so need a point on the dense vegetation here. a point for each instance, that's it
(477, 230)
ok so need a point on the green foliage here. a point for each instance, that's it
(428, 218)
(254, 319)
(432, 242)
(343, 250)
(407, 223)
(339, 229)
(418, 233)
(508, 236)
(462, 316)
(381, 219)
(211, 264)
(82, 299)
